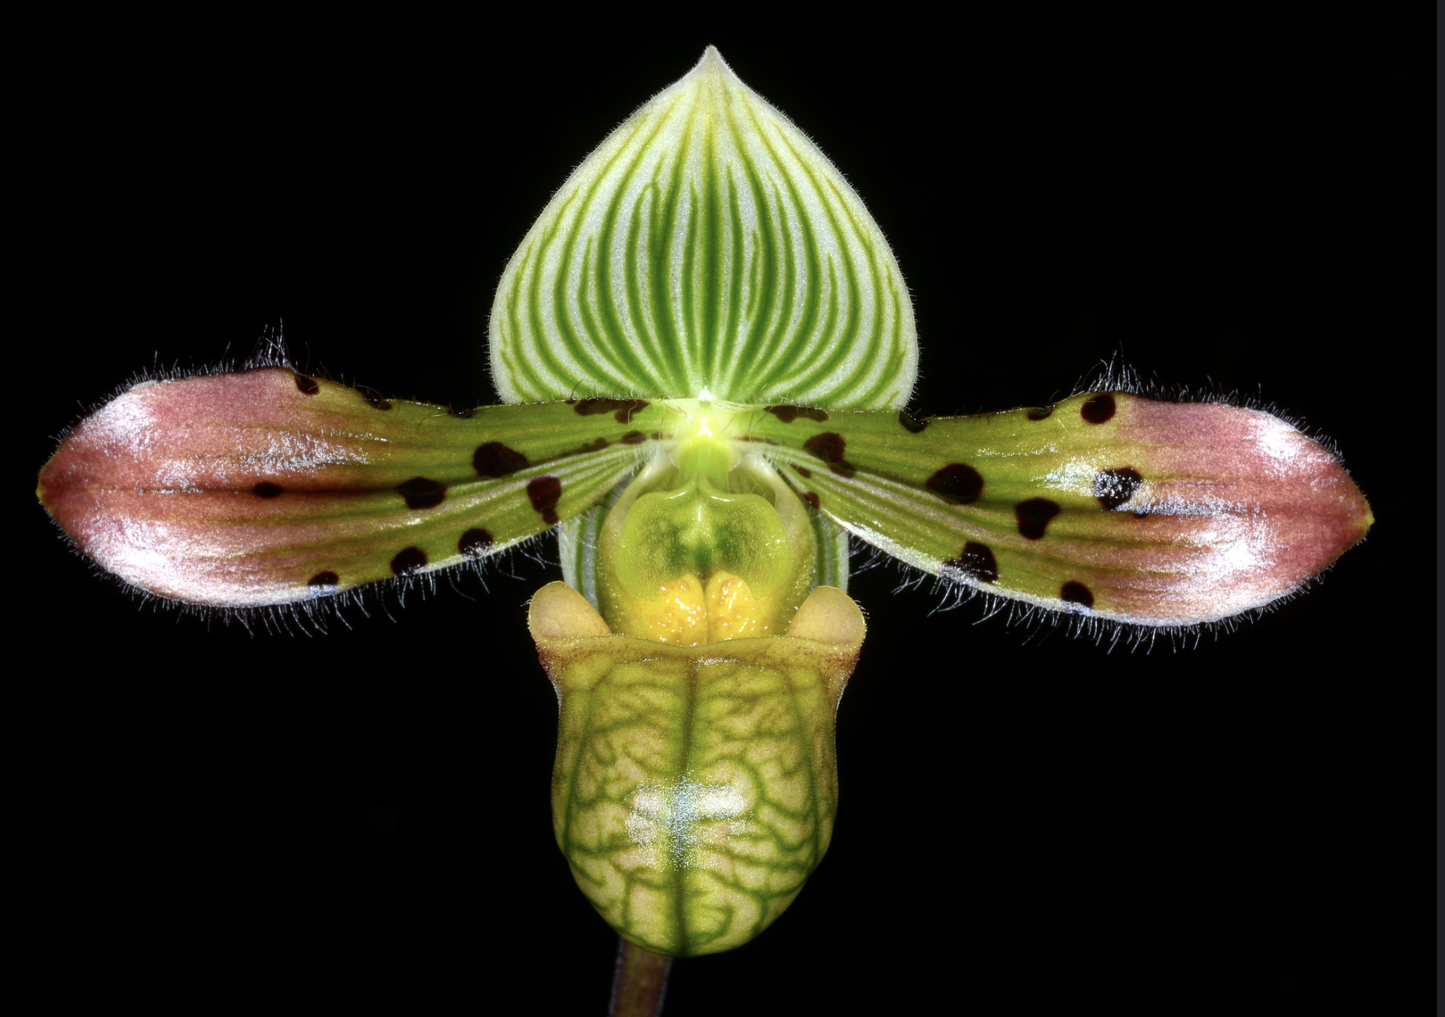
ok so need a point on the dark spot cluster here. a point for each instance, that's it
(1115, 487)
(1076, 593)
(408, 561)
(957, 483)
(788, 414)
(266, 489)
(633, 438)
(494, 459)
(1041, 412)
(591, 446)
(621, 409)
(1098, 409)
(803, 471)
(1033, 516)
(831, 447)
(810, 498)
(911, 424)
(544, 493)
(308, 386)
(421, 493)
(975, 563)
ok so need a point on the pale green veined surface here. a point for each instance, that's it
(707, 247)
(695, 787)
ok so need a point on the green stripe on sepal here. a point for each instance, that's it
(833, 551)
(707, 246)
(578, 540)
(694, 788)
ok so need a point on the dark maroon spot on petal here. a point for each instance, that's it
(497, 460)
(830, 447)
(308, 386)
(266, 489)
(1041, 412)
(633, 438)
(810, 498)
(1076, 593)
(475, 542)
(622, 409)
(788, 414)
(803, 471)
(465, 412)
(592, 446)
(1098, 409)
(975, 564)
(374, 399)
(408, 561)
(327, 578)
(1114, 487)
(958, 483)
(1034, 515)
(910, 423)
(421, 493)
(545, 492)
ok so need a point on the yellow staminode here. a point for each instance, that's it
(678, 616)
(732, 613)
(687, 613)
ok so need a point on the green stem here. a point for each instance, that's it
(639, 983)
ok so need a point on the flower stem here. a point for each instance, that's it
(639, 983)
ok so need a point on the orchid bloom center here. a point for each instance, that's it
(707, 543)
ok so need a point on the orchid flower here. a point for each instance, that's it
(705, 351)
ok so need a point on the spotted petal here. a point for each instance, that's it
(1108, 504)
(267, 486)
(707, 246)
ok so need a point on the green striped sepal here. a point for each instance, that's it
(695, 787)
(831, 541)
(1106, 505)
(707, 247)
(577, 542)
(267, 486)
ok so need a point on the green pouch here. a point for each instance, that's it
(695, 787)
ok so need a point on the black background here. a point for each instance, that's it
(212, 814)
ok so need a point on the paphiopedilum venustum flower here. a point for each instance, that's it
(704, 350)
